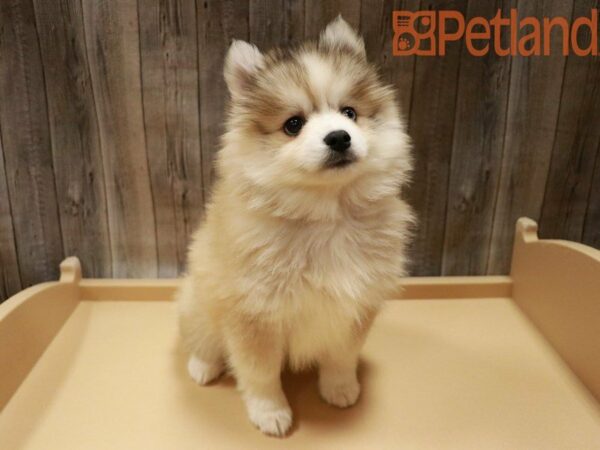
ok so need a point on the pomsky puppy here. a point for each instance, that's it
(306, 232)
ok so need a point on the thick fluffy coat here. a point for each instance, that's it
(303, 238)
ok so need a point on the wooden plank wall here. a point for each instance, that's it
(111, 112)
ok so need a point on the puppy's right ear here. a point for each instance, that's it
(241, 64)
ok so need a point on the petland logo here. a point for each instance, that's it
(426, 33)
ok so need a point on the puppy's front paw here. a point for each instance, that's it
(203, 372)
(269, 417)
(340, 392)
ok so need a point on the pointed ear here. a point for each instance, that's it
(338, 34)
(242, 62)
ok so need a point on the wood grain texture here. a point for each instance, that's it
(476, 152)
(432, 116)
(169, 57)
(319, 13)
(533, 105)
(10, 278)
(591, 227)
(576, 140)
(77, 157)
(112, 40)
(276, 23)
(26, 145)
(219, 22)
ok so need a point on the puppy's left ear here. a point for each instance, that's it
(242, 62)
(338, 34)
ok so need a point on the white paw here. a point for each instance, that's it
(269, 417)
(340, 392)
(203, 372)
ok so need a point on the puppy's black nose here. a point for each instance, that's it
(338, 140)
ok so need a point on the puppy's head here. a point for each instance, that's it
(314, 116)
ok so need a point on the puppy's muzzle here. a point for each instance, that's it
(339, 142)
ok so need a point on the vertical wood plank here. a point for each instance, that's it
(482, 95)
(591, 228)
(26, 145)
(276, 23)
(534, 97)
(169, 56)
(319, 13)
(74, 133)
(10, 279)
(112, 40)
(219, 22)
(377, 31)
(576, 139)
(431, 127)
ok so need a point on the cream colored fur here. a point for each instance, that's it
(292, 262)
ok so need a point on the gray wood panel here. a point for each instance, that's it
(432, 116)
(319, 13)
(10, 278)
(218, 24)
(112, 39)
(533, 106)
(26, 145)
(476, 152)
(169, 65)
(77, 157)
(591, 228)
(577, 137)
(275, 23)
(111, 114)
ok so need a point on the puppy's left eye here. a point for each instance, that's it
(349, 112)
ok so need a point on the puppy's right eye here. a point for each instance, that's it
(293, 125)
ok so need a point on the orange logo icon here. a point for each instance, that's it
(414, 33)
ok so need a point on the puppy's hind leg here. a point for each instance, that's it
(200, 336)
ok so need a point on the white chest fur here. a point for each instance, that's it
(287, 268)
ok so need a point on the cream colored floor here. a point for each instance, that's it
(436, 374)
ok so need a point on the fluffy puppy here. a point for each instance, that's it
(306, 233)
